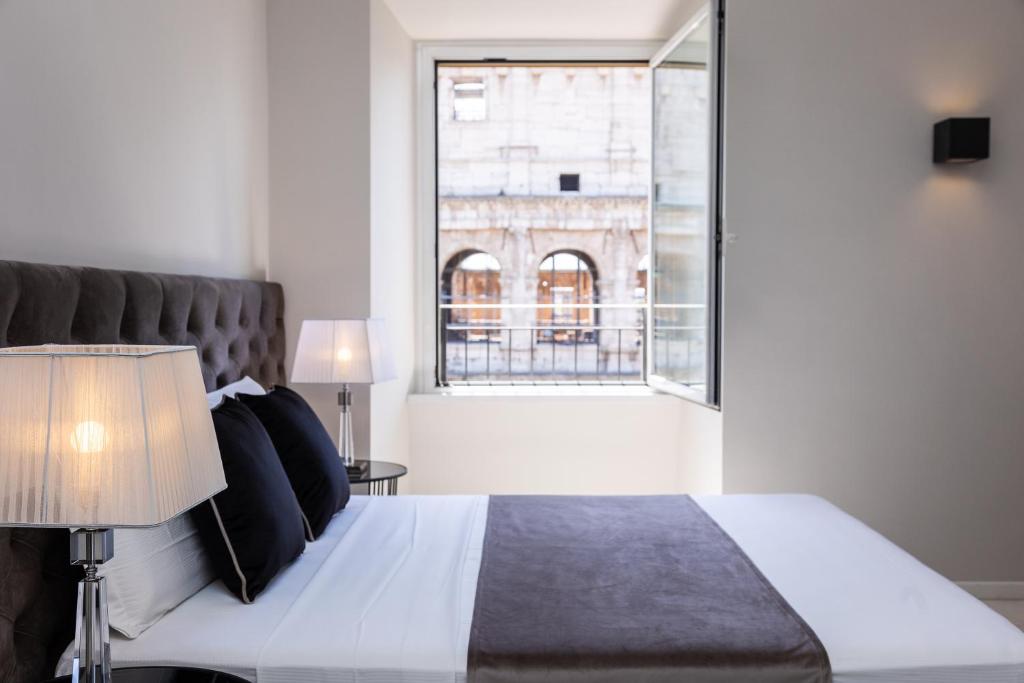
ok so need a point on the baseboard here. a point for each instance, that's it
(994, 590)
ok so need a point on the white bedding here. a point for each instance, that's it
(881, 614)
(387, 595)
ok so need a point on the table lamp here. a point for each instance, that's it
(98, 437)
(343, 352)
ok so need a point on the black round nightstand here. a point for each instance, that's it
(161, 674)
(380, 477)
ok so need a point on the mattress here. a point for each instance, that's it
(387, 595)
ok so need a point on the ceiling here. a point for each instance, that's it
(542, 19)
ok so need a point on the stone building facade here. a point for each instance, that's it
(545, 159)
(536, 160)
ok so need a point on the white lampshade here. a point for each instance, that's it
(343, 352)
(104, 436)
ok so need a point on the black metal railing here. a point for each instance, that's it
(543, 343)
(570, 344)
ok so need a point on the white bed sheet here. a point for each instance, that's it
(213, 629)
(387, 595)
(881, 614)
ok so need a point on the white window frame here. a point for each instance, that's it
(702, 396)
(427, 54)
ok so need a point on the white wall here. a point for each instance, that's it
(342, 161)
(319, 56)
(592, 444)
(392, 223)
(873, 324)
(133, 134)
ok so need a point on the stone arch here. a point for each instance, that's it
(568, 276)
(470, 276)
(643, 278)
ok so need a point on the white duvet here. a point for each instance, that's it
(387, 595)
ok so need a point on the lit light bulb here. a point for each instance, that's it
(89, 437)
(344, 354)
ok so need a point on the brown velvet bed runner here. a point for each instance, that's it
(640, 589)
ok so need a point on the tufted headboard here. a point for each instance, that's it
(237, 326)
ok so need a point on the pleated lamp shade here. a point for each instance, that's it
(343, 352)
(104, 436)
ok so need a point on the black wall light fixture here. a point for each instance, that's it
(960, 141)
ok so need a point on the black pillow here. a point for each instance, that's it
(309, 456)
(253, 528)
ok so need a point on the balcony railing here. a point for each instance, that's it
(539, 344)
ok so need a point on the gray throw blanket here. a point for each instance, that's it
(640, 589)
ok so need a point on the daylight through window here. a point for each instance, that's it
(469, 101)
(542, 207)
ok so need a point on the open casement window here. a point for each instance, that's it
(541, 212)
(574, 206)
(685, 237)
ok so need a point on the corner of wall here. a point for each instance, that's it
(392, 224)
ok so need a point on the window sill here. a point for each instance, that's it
(564, 391)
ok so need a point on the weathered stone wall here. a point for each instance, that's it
(498, 187)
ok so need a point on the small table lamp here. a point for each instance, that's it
(97, 437)
(343, 352)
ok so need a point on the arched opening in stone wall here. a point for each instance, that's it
(642, 278)
(567, 291)
(470, 281)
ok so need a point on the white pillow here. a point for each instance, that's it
(246, 385)
(153, 571)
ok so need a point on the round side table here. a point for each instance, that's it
(381, 478)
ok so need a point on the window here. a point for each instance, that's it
(468, 100)
(470, 295)
(559, 309)
(535, 282)
(566, 292)
(472, 283)
(684, 282)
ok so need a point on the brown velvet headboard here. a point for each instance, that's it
(237, 326)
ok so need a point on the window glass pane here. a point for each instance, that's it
(469, 100)
(681, 228)
(542, 222)
(569, 182)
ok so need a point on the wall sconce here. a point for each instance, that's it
(960, 141)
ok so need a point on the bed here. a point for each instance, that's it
(398, 589)
(237, 327)
(328, 618)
